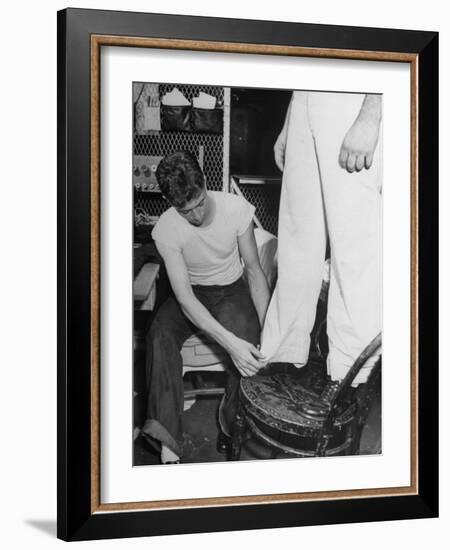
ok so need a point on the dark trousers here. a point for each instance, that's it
(232, 307)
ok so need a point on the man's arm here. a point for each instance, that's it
(244, 354)
(257, 282)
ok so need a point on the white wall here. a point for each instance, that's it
(28, 274)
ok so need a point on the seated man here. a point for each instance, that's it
(201, 239)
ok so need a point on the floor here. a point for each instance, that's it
(200, 424)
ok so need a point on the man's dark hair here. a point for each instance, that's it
(180, 178)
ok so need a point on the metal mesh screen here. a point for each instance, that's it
(164, 143)
(151, 203)
(266, 199)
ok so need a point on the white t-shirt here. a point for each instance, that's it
(211, 253)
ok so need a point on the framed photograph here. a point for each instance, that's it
(247, 286)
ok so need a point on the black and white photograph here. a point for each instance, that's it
(247, 274)
(224, 284)
(257, 273)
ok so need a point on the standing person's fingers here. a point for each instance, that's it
(359, 164)
(368, 160)
(343, 154)
(351, 161)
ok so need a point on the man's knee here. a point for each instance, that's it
(160, 333)
(246, 325)
(164, 321)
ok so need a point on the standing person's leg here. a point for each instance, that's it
(236, 312)
(164, 371)
(301, 246)
(353, 205)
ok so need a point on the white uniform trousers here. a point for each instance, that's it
(321, 200)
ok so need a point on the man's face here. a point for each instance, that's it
(196, 210)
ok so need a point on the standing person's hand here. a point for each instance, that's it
(359, 144)
(279, 149)
(246, 357)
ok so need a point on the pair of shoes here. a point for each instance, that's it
(223, 445)
(172, 462)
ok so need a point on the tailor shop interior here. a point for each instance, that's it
(232, 132)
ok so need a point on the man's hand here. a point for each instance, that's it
(246, 357)
(360, 141)
(279, 149)
(358, 146)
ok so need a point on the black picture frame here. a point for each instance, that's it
(78, 517)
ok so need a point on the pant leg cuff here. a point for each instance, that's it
(221, 419)
(154, 430)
